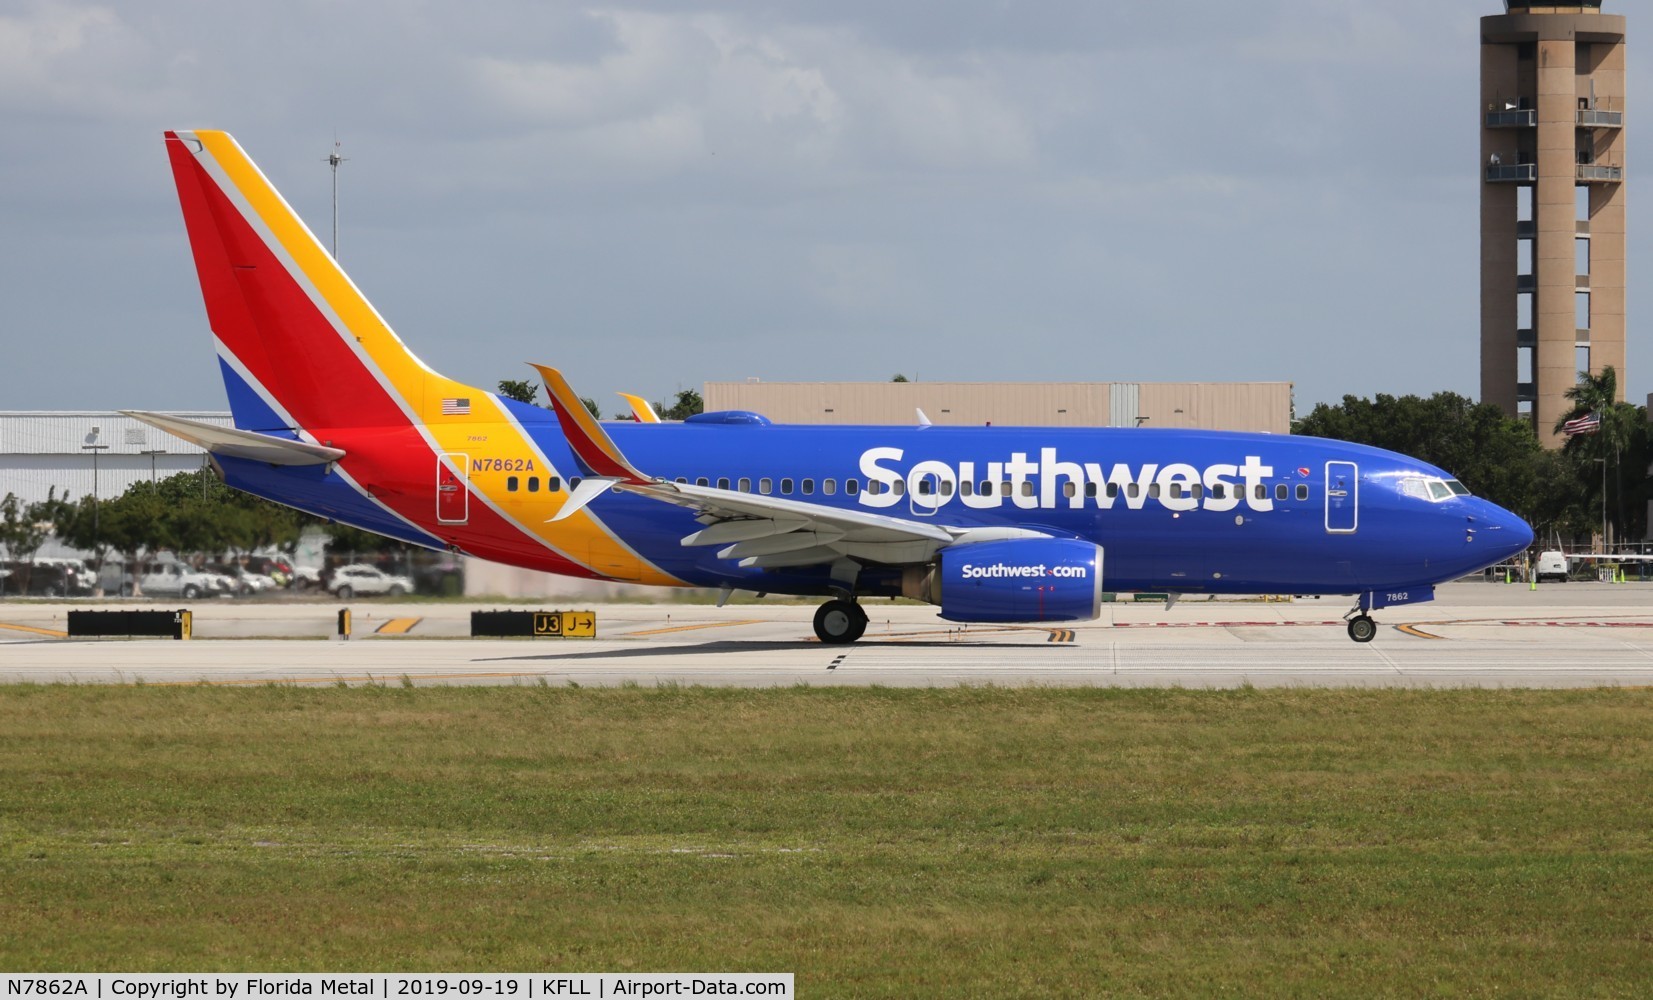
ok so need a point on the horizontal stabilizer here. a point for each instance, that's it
(240, 444)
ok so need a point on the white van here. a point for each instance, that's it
(1551, 566)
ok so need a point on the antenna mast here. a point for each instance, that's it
(333, 160)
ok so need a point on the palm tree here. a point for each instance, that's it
(1619, 423)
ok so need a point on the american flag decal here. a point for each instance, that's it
(456, 407)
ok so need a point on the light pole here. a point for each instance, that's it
(1603, 462)
(97, 504)
(152, 452)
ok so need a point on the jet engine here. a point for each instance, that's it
(1013, 580)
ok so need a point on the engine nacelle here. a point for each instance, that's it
(1017, 580)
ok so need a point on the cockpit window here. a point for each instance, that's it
(1431, 489)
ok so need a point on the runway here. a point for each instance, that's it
(1479, 635)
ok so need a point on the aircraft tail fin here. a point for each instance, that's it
(300, 347)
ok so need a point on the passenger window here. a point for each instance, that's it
(1027, 488)
(745, 484)
(809, 487)
(900, 487)
(967, 488)
(533, 484)
(1280, 491)
(1004, 488)
(985, 489)
(852, 487)
(829, 486)
(573, 482)
(553, 484)
(1113, 491)
(1176, 491)
(924, 486)
(682, 481)
(786, 486)
(1219, 491)
(766, 486)
(1070, 489)
(1302, 491)
(702, 481)
(1197, 490)
(511, 484)
(874, 487)
(1260, 491)
(946, 487)
(1153, 491)
(723, 482)
(1090, 491)
(1132, 490)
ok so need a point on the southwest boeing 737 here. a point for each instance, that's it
(334, 416)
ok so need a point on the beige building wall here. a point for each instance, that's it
(1552, 93)
(1238, 406)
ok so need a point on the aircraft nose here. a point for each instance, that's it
(1503, 532)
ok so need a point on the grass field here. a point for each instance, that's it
(960, 842)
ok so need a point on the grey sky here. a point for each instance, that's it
(659, 194)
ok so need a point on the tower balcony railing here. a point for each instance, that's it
(1599, 172)
(1512, 173)
(1601, 119)
(1513, 118)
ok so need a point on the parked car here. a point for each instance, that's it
(179, 580)
(45, 578)
(245, 582)
(361, 579)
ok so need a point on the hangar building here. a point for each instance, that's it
(1232, 406)
(89, 451)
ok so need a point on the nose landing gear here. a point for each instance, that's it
(1362, 628)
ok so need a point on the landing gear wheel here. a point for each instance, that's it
(1362, 628)
(839, 622)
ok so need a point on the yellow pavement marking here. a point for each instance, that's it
(398, 626)
(54, 633)
(689, 628)
(1420, 633)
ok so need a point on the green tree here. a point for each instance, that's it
(591, 405)
(688, 404)
(24, 528)
(135, 525)
(899, 377)
(77, 524)
(1618, 452)
(521, 390)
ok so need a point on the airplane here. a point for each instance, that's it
(334, 416)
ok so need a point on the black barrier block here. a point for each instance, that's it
(167, 624)
(502, 623)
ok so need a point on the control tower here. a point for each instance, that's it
(1552, 205)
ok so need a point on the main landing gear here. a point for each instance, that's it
(840, 621)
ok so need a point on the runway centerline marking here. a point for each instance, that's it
(52, 632)
(691, 628)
